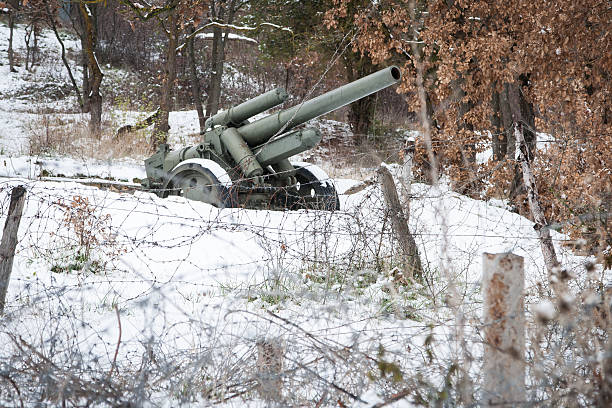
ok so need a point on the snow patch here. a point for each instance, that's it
(231, 36)
(214, 167)
(544, 310)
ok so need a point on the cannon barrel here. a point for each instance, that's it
(260, 131)
(238, 114)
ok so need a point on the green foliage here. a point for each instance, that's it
(76, 262)
(303, 18)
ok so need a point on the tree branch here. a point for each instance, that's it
(231, 27)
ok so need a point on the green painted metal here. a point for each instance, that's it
(241, 153)
(263, 129)
(174, 157)
(284, 169)
(255, 156)
(238, 114)
(287, 145)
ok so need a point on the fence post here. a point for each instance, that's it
(408, 161)
(270, 354)
(399, 218)
(9, 240)
(503, 281)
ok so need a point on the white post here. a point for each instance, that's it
(504, 330)
(408, 158)
(270, 355)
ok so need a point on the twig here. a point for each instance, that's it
(320, 402)
(232, 27)
(10, 380)
(110, 373)
(394, 398)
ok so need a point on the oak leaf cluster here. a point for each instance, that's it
(487, 65)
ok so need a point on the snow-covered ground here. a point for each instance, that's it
(171, 281)
(186, 275)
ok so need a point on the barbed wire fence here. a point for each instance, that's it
(130, 300)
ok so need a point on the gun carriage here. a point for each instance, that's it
(240, 163)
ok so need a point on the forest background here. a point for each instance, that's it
(476, 74)
(483, 67)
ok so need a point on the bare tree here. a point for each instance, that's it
(88, 14)
(223, 12)
(195, 82)
(172, 16)
(51, 8)
(13, 9)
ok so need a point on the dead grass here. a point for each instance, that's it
(68, 134)
(341, 155)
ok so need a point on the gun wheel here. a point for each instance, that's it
(315, 190)
(196, 181)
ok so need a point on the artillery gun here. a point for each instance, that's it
(247, 164)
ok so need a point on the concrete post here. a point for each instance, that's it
(270, 355)
(504, 331)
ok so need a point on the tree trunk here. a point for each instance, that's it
(510, 107)
(520, 112)
(51, 20)
(85, 69)
(26, 37)
(35, 49)
(160, 134)
(507, 144)
(361, 116)
(499, 140)
(548, 250)
(78, 24)
(195, 82)
(95, 119)
(216, 72)
(467, 149)
(221, 12)
(95, 99)
(146, 122)
(361, 113)
(426, 116)
(11, 54)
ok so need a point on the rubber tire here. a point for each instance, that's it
(314, 193)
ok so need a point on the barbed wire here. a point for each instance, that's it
(328, 278)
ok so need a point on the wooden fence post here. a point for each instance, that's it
(9, 240)
(399, 218)
(503, 282)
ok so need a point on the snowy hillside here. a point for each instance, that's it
(188, 278)
(166, 301)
